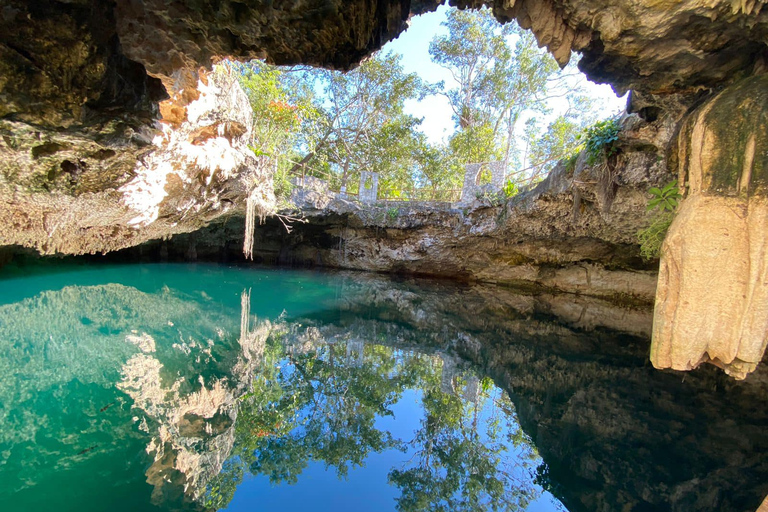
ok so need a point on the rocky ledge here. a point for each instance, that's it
(575, 231)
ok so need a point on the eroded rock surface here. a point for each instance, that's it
(712, 300)
(576, 231)
(63, 192)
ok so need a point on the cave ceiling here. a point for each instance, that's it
(77, 62)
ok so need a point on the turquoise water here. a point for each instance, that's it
(204, 387)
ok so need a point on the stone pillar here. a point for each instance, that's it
(369, 187)
(472, 173)
(712, 294)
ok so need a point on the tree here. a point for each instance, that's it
(283, 112)
(502, 78)
(499, 74)
(362, 124)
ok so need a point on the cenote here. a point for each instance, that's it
(206, 387)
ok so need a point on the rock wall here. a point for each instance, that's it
(712, 299)
(63, 192)
(575, 232)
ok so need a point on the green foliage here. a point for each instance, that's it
(510, 189)
(599, 140)
(560, 141)
(334, 125)
(570, 162)
(490, 198)
(282, 184)
(653, 236)
(665, 199)
(393, 213)
(475, 144)
(279, 108)
(500, 71)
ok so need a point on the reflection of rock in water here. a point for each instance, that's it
(67, 347)
(192, 432)
(615, 433)
(472, 390)
(355, 352)
(448, 374)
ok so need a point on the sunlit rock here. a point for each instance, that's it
(74, 198)
(712, 298)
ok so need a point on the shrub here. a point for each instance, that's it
(599, 139)
(653, 236)
(664, 201)
(510, 189)
(666, 198)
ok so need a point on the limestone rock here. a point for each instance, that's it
(66, 193)
(712, 297)
(563, 234)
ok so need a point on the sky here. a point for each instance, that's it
(413, 45)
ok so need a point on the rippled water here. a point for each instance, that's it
(202, 387)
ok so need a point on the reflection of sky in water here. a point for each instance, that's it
(125, 384)
(365, 488)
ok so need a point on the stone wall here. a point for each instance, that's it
(369, 187)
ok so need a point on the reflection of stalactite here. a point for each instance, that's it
(252, 342)
(245, 310)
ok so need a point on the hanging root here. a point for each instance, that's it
(253, 209)
(607, 186)
(287, 221)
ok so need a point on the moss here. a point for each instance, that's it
(737, 114)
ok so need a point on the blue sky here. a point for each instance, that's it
(413, 45)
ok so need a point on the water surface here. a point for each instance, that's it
(204, 387)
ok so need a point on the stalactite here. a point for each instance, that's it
(255, 206)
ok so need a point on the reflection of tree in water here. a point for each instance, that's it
(462, 459)
(317, 398)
